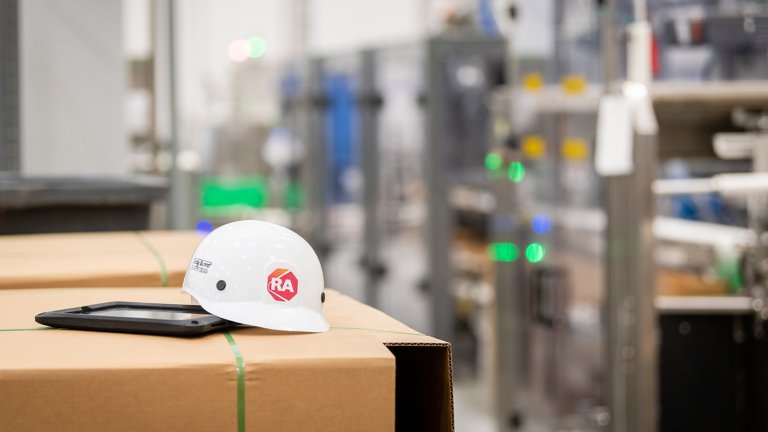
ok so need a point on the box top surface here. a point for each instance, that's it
(258, 345)
(357, 331)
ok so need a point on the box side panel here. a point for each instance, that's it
(168, 399)
(333, 381)
(328, 396)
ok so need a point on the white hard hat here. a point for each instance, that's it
(260, 274)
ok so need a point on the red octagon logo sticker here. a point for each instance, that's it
(282, 284)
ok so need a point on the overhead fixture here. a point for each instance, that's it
(239, 50)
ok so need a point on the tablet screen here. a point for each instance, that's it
(147, 313)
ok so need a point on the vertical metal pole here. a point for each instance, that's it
(300, 28)
(152, 85)
(370, 102)
(609, 45)
(180, 210)
(439, 217)
(317, 155)
(510, 344)
(558, 66)
(180, 187)
(757, 211)
(509, 312)
(646, 332)
(631, 315)
(10, 147)
(632, 348)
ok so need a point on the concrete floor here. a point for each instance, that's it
(473, 405)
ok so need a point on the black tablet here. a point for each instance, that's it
(131, 317)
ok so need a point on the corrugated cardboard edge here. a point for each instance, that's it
(447, 404)
(431, 372)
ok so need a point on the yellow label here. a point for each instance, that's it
(533, 82)
(534, 147)
(574, 84)
(574, 149)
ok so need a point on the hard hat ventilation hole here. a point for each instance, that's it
(322, 297)
(220, 285)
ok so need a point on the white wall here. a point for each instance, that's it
(347, 25)
(206, 27)
(73, 63)
(204, 31)
(73, 88)
(137, 29)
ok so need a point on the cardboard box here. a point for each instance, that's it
(115, 259)
(673, 282)
(368, 373)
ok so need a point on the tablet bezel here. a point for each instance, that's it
(79, 318)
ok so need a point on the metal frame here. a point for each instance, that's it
(632, 349)
(10, 125)
(369, 104)
(439, 214)
(317, 171)
(439, 175)
(631, 322)
(510, 312)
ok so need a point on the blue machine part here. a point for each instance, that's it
(709, 207)
(541, 224)
(486, 19)
(204, 227)
(341, 125)
(290, 85)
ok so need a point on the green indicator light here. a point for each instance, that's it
(516, 172)
(493, 161)
(727, 268)
(535, 252)
(251, 191)
(258, 46)
(504, 252)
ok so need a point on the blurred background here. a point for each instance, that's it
(573, 192)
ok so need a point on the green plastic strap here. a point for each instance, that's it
(158, 257)
(240, 381)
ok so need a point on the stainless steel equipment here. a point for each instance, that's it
(576, 325)
(416, 122)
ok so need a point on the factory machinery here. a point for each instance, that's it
(609, 287)
(391, 134)
(628, 238)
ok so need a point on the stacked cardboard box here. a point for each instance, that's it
(115, 259)
(368, 373)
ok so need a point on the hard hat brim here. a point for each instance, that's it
(275, 317)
